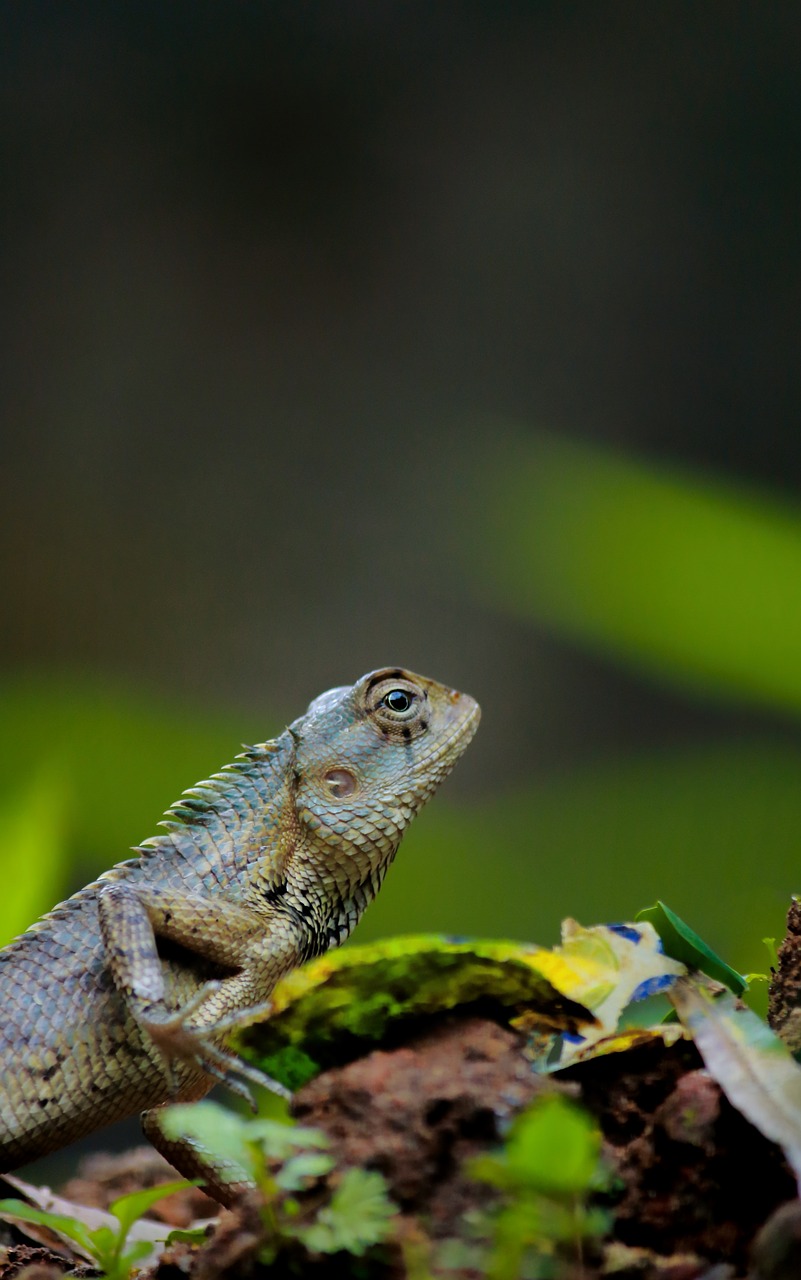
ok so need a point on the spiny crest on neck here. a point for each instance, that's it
(261, 766)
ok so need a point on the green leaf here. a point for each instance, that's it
(187, 1235)
(125, 1263)
(103, 1244)
(32, 837)
(671, 571)
(357, 1217)
(106, 1247)
(280, 1141)
(59, 1222)
(682, 943)
(129, 1208)
(552, 1150)
(297, 1171)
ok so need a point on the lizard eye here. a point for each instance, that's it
(397, 705)
(397, 700)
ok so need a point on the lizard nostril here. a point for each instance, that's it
(341, 783)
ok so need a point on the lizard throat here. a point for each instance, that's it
(326, 925)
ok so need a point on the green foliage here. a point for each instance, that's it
(284, 1160)
(545, 1173)
(33, 828)
(120, 758)
(357, 1217)
(249, 1144)
(87, 773)
(676, 573)
(104, 1245)
(683, 943)
(552, 1150)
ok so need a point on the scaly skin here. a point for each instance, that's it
(120, 998)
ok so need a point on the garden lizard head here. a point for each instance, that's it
(367, 758)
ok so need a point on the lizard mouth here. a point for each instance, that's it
(463, 731)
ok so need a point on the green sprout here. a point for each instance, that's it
(104, 1245)
(283, 1160)
(545, 1173)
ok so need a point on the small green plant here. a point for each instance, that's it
(545, 1173)
(284, 1159)
(103, 1245)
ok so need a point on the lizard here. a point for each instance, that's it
(120, 999)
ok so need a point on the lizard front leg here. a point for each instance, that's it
(132, 917)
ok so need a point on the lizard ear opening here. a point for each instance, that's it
(340, 783)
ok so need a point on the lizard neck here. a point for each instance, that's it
(332, 881)
(318, 871)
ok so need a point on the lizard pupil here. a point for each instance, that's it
(398, 700)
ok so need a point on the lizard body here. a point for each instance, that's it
(120, 998)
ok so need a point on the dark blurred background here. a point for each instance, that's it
(463, 336)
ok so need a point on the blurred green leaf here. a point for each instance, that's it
(296, 1172)
(32, 839)
(129, 1208)
(88, 772)
(187, 1235)
(547, 1167)
(357, 1217)
(552, 1150)
(683, 943)
(358, 1213)
(74, 1230)
(121, 757)
(676, 572)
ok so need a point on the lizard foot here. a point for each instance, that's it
(180, 1041)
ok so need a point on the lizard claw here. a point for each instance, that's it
(226, 1067)
(177, 1040)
